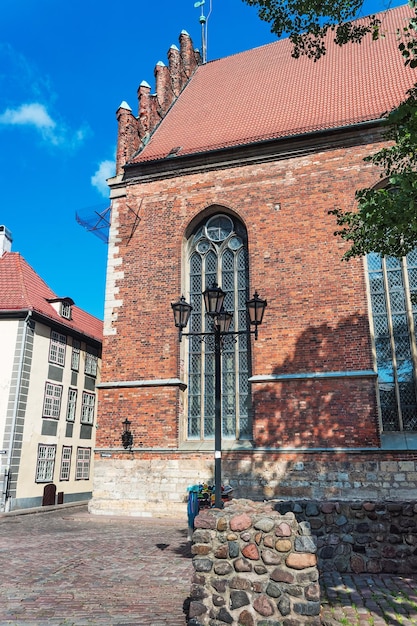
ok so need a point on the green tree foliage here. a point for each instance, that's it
(386, 216)
(306, 22)
(386, 219)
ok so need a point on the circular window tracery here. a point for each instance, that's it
(235, 243)
(203, 246)
(219, 227)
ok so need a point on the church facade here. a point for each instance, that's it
(227, 176)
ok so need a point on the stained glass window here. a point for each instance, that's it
(218, 253)
(394, 317)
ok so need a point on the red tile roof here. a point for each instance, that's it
(21, 289)
(265, 93)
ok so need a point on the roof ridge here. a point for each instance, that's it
(286, 36)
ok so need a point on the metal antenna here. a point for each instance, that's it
(203, 22)
(209, 13)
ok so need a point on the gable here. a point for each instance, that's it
(22, 289)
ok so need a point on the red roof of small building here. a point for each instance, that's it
(265, 93)
(21, 289)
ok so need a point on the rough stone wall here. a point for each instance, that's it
(361, 537)
(152, 485)
(253, 567)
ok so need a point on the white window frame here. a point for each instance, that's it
(57, 348)
(52, 401)
(65, 463)
(66, 310)
(91, 362)
(72, 404)
(82, 470)
(45, 464)
(87, 407)
(75, 355)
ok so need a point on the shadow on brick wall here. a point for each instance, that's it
(323, 401)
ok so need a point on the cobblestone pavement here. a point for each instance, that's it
(359, 600)
(68, 568)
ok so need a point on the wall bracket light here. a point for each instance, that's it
(127, 436)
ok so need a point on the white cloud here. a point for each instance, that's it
(36, 116)
(33, 114)
(105, 170)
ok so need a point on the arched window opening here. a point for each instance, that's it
(217, 252)
(394, 319)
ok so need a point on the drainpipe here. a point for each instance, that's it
(7, 474)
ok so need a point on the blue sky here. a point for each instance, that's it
(64, 69)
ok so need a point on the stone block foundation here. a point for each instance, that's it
(154, 482)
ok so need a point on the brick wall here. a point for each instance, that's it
(322, 413)
(316, 320)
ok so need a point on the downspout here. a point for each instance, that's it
(7, 476)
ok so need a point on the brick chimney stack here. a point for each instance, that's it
(170, 81)
(164, 92)
(148, 114)
(188, 56)
(178, 78)
(127, 137)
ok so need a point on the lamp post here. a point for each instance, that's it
(213, 300)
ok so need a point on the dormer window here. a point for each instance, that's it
(63, 306)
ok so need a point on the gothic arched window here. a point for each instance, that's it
(217, 252)
(394, 318)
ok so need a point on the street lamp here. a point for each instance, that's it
(213, 300)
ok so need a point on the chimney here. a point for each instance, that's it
(128, 136)
(178, 78)
(163, 88)
(170, 80)
(188, 55)
(148, 116)
(198, 58)
(5, 240)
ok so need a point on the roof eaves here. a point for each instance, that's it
(66, 324)
(42, 316)
(299, 134)
(21, 312)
